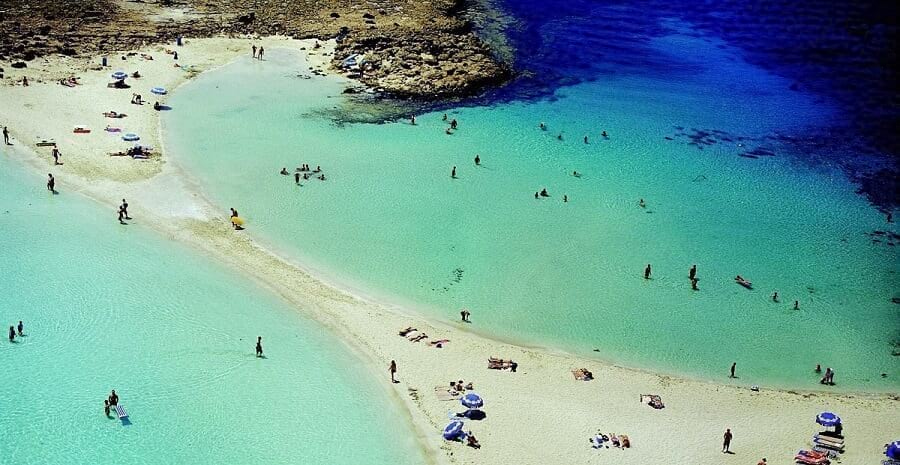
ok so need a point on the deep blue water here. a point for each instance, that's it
(844, 53)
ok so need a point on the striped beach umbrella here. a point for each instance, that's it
(828, 419)
(119, 75)
(893, 450)
(158, 90)
(453, 430)
(471, 401)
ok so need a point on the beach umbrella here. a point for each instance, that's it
(828, 419)
(893, 450)
(158, 90)
(119, 75)
(453, 430)
(130, 137)
(471, 401)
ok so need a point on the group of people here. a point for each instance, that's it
(258, 52)
(123, 212)
(829, 375)
(110, 402)
(13, 333)
(306, 173)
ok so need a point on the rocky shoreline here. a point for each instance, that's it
(400, 48)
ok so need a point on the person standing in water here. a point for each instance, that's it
(693, 272)
(393, 370)
(12, 334)
(453, 124)
(106, 407)
(465, 315)
(796, 305)
(124, 208)
(121, 216)
(647, 272)
(412, 120)
(297, 178)
(21, 328)
(543, 126)
(694, 284)
(51, 183)
(565, 198)
(477, 160)
(775, 297)
(642, 204)
(259, 351)
(453, 173)
(261, 51)
(733, 366)
(585, 139)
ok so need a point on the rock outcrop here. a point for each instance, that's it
(409, 48)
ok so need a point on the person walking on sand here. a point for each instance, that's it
(6, 136)
(647, 272)
(124, 208)
(51, 183)
(726, 443)
(733, 366)
(259, 351)
(393, 370)
(261, 51)
(56, 155)
(253, 48)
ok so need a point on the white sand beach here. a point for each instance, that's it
(538, 415)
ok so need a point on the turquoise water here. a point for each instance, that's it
(391, 221)
(116, 307)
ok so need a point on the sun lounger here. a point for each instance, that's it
(652, 400)
(120, 412)
(829, 439)
(445, 394)
(828, 445)
(46, 143)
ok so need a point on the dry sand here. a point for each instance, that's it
(539, 415)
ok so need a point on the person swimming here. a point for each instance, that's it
(585, 139)
(544, 192)
(576, 174)
(775, 297)
(559, 136)
(535, 195)
(321, 177)
(284, 171)
(642, 204)
(453, 123)
(444, 118)
(543, 126)
(565, 198)
(604, 135)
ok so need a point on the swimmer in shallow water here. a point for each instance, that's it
(543, 126)
(297, 178)
(642, 204)
(284, 171)
(544, 193)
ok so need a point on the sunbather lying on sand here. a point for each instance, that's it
(500, 364)
(652, 400)
(439, 343)
(70, 81)
(419, 337)
(404, 332)
(582, 374)
(113, 114)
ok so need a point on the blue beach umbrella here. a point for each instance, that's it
(453, 430)
(130, 137)
(158, 90)
(828, 419)
(119, 75)
(893, 450)
(471, 401)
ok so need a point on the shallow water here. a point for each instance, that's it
(723, 193)
(116, 307)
